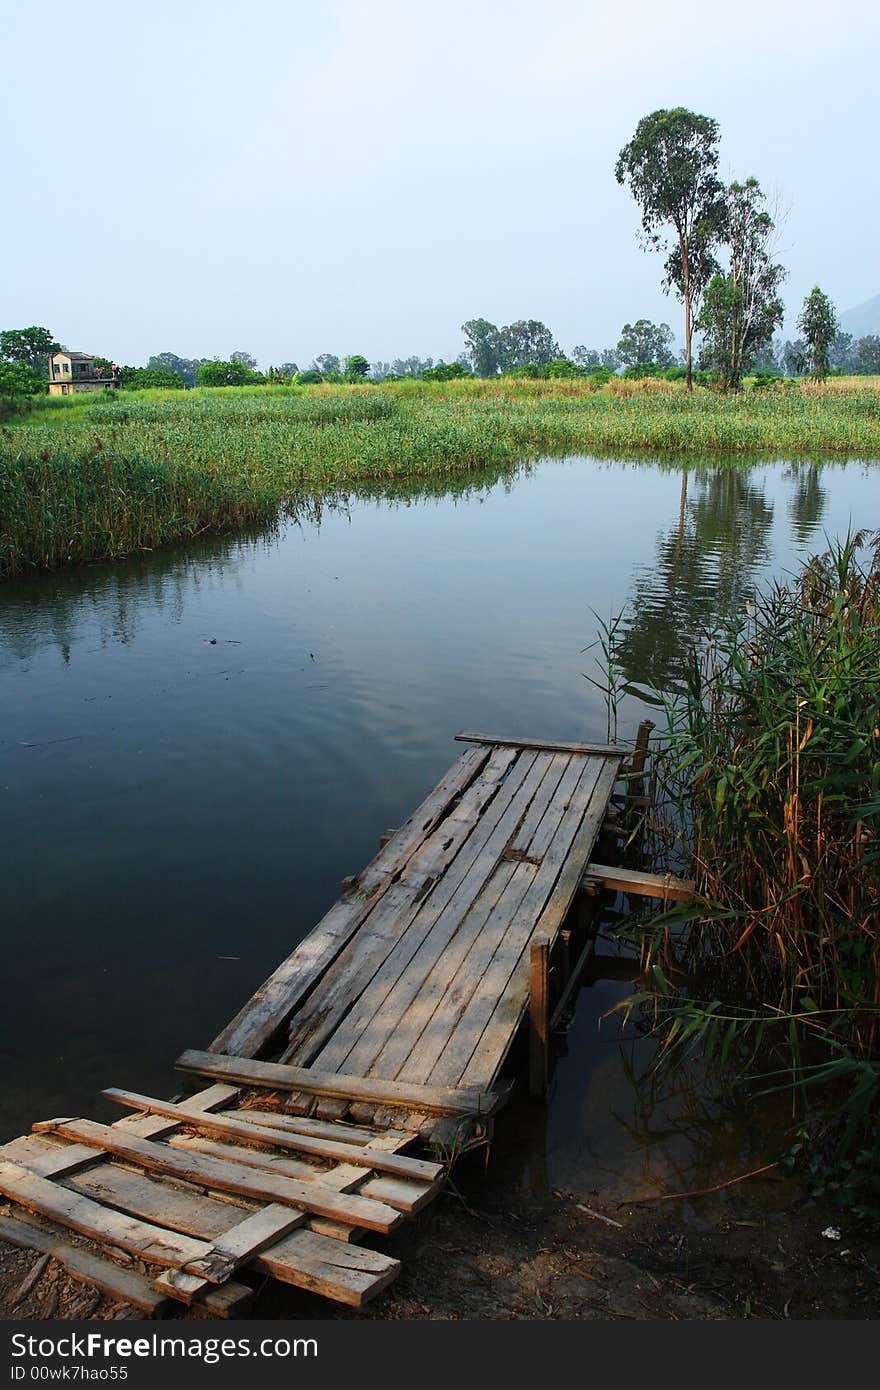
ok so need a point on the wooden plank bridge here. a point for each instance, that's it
(386, 1029)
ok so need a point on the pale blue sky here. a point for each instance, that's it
(293, 178)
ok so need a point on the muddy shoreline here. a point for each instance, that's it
(491, 1248)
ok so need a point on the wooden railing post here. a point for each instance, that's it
(539, 1016)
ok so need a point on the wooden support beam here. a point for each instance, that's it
(571, 984)
(433, 1100)
(601, 750)
(539, 1016)
(665, 886)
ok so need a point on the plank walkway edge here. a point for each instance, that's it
(435, 1100)
(599, 750)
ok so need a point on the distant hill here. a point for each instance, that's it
(865, 318)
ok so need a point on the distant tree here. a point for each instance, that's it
(484, 348)
(310, 377)
(795, 357)
(30, 346)
(410, 366)
(867, 355)
(818, 323)
(219, 373)
(842, 353)
(326, 364)
(644, 341)
(288, 369)
(445, 371)
(356, 367)
(742, 307)
(246, 359)
(670, 166)
(586, 357)
(151, 378)
(765, 359)
(611, 359)
(18, 379)
(170, 362)
(528, 342)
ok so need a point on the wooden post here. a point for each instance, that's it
(636, 801)
(539, 1016)
(565, 955)
(636, 787)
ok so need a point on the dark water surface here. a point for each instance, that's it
(197, 746)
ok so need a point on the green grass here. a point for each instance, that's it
(101, 477)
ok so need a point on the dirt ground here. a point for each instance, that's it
(488, 1248)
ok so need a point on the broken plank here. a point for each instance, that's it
(665, 886)
(435, 1100)
(123, 1285)
(237, 1178)
(303, 1258)
(238, 1246)
(351, 1274)
(398, 1164)
(89, 1218)
(244, 1240)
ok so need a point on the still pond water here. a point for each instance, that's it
(197, 746)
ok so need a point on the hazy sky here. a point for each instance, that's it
(292, 178)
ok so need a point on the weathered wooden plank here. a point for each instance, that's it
(238, 1246)
(602, 750)
(237, 1178)
(398, 1164)
(511, 1000)
(275, 1000)
(434, 1100)
(319, 1129)
(431, 877)
(124, 1285)
(367, 1026)
(666, 886)
(416, 995)
(89, 1218)
(481, 977)
(304, 1259)
(350, 1274)
(405, 1194)
(58, 1161)
(539, 1016)
(490, 996)
(444, 996)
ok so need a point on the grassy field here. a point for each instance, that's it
(99, 478)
